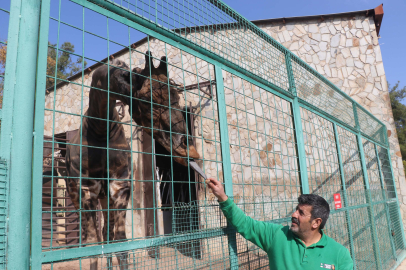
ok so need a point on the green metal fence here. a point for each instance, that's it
(105, 180)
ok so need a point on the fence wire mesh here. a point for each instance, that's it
(363, 256)
(179, 255)
(261, 137)
(354, 180)
(374, 177)
(321, 156)
(387, 179)
(318, 93)
(386, 245)
(3, 213)
(161, 175)
(129, 114)
(266, 209)
(371, 127)
(396, 226)
(218, 29)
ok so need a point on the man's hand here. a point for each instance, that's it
(217, 189)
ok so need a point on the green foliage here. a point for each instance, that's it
(396, 95)
(66, 66)
(404, 165)
(3, 52)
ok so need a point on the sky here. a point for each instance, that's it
(392, 41)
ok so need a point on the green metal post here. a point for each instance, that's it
(385, 205)
(17, 125)
(225, 150)
(342, 174)
(368, 194)
(36, 206)
(297, 120)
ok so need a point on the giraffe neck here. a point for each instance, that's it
(99, 107)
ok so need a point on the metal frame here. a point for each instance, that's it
(225, 150)
(17, 126)
(20, 146)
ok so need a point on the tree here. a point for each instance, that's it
(66, 65)
(397, 95)
(3, 52)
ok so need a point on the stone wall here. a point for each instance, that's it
(346, 51)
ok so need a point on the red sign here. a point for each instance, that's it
(337, 201)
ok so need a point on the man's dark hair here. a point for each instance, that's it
(320, 207)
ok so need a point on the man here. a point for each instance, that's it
(302, 246)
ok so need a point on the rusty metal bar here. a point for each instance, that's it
(58, 148)
(56, 167)
(61, 218)
(60, 225)
(60, 232)
(55, 138)
(203, 84)
(63, 158)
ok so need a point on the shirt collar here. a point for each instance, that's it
(321, 243)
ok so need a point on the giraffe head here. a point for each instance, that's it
(155, 106)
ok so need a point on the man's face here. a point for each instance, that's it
(302, 220)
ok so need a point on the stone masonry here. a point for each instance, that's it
(346, 51)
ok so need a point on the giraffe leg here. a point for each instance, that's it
(89, 223)
(120, 194)
(106, 221)
(87, 219)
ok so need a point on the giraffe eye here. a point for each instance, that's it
(184, 141)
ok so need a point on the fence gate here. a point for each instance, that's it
(109, 105)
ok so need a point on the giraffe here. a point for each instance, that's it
(96, 135)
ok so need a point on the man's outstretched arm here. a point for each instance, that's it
(258, 232)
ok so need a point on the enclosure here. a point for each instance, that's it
(108, 103)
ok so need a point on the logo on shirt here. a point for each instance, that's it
(327, 266)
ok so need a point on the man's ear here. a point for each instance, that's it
(316, 223)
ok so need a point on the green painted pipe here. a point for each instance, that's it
(24, 26)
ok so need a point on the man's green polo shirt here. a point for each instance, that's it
(284, 249)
